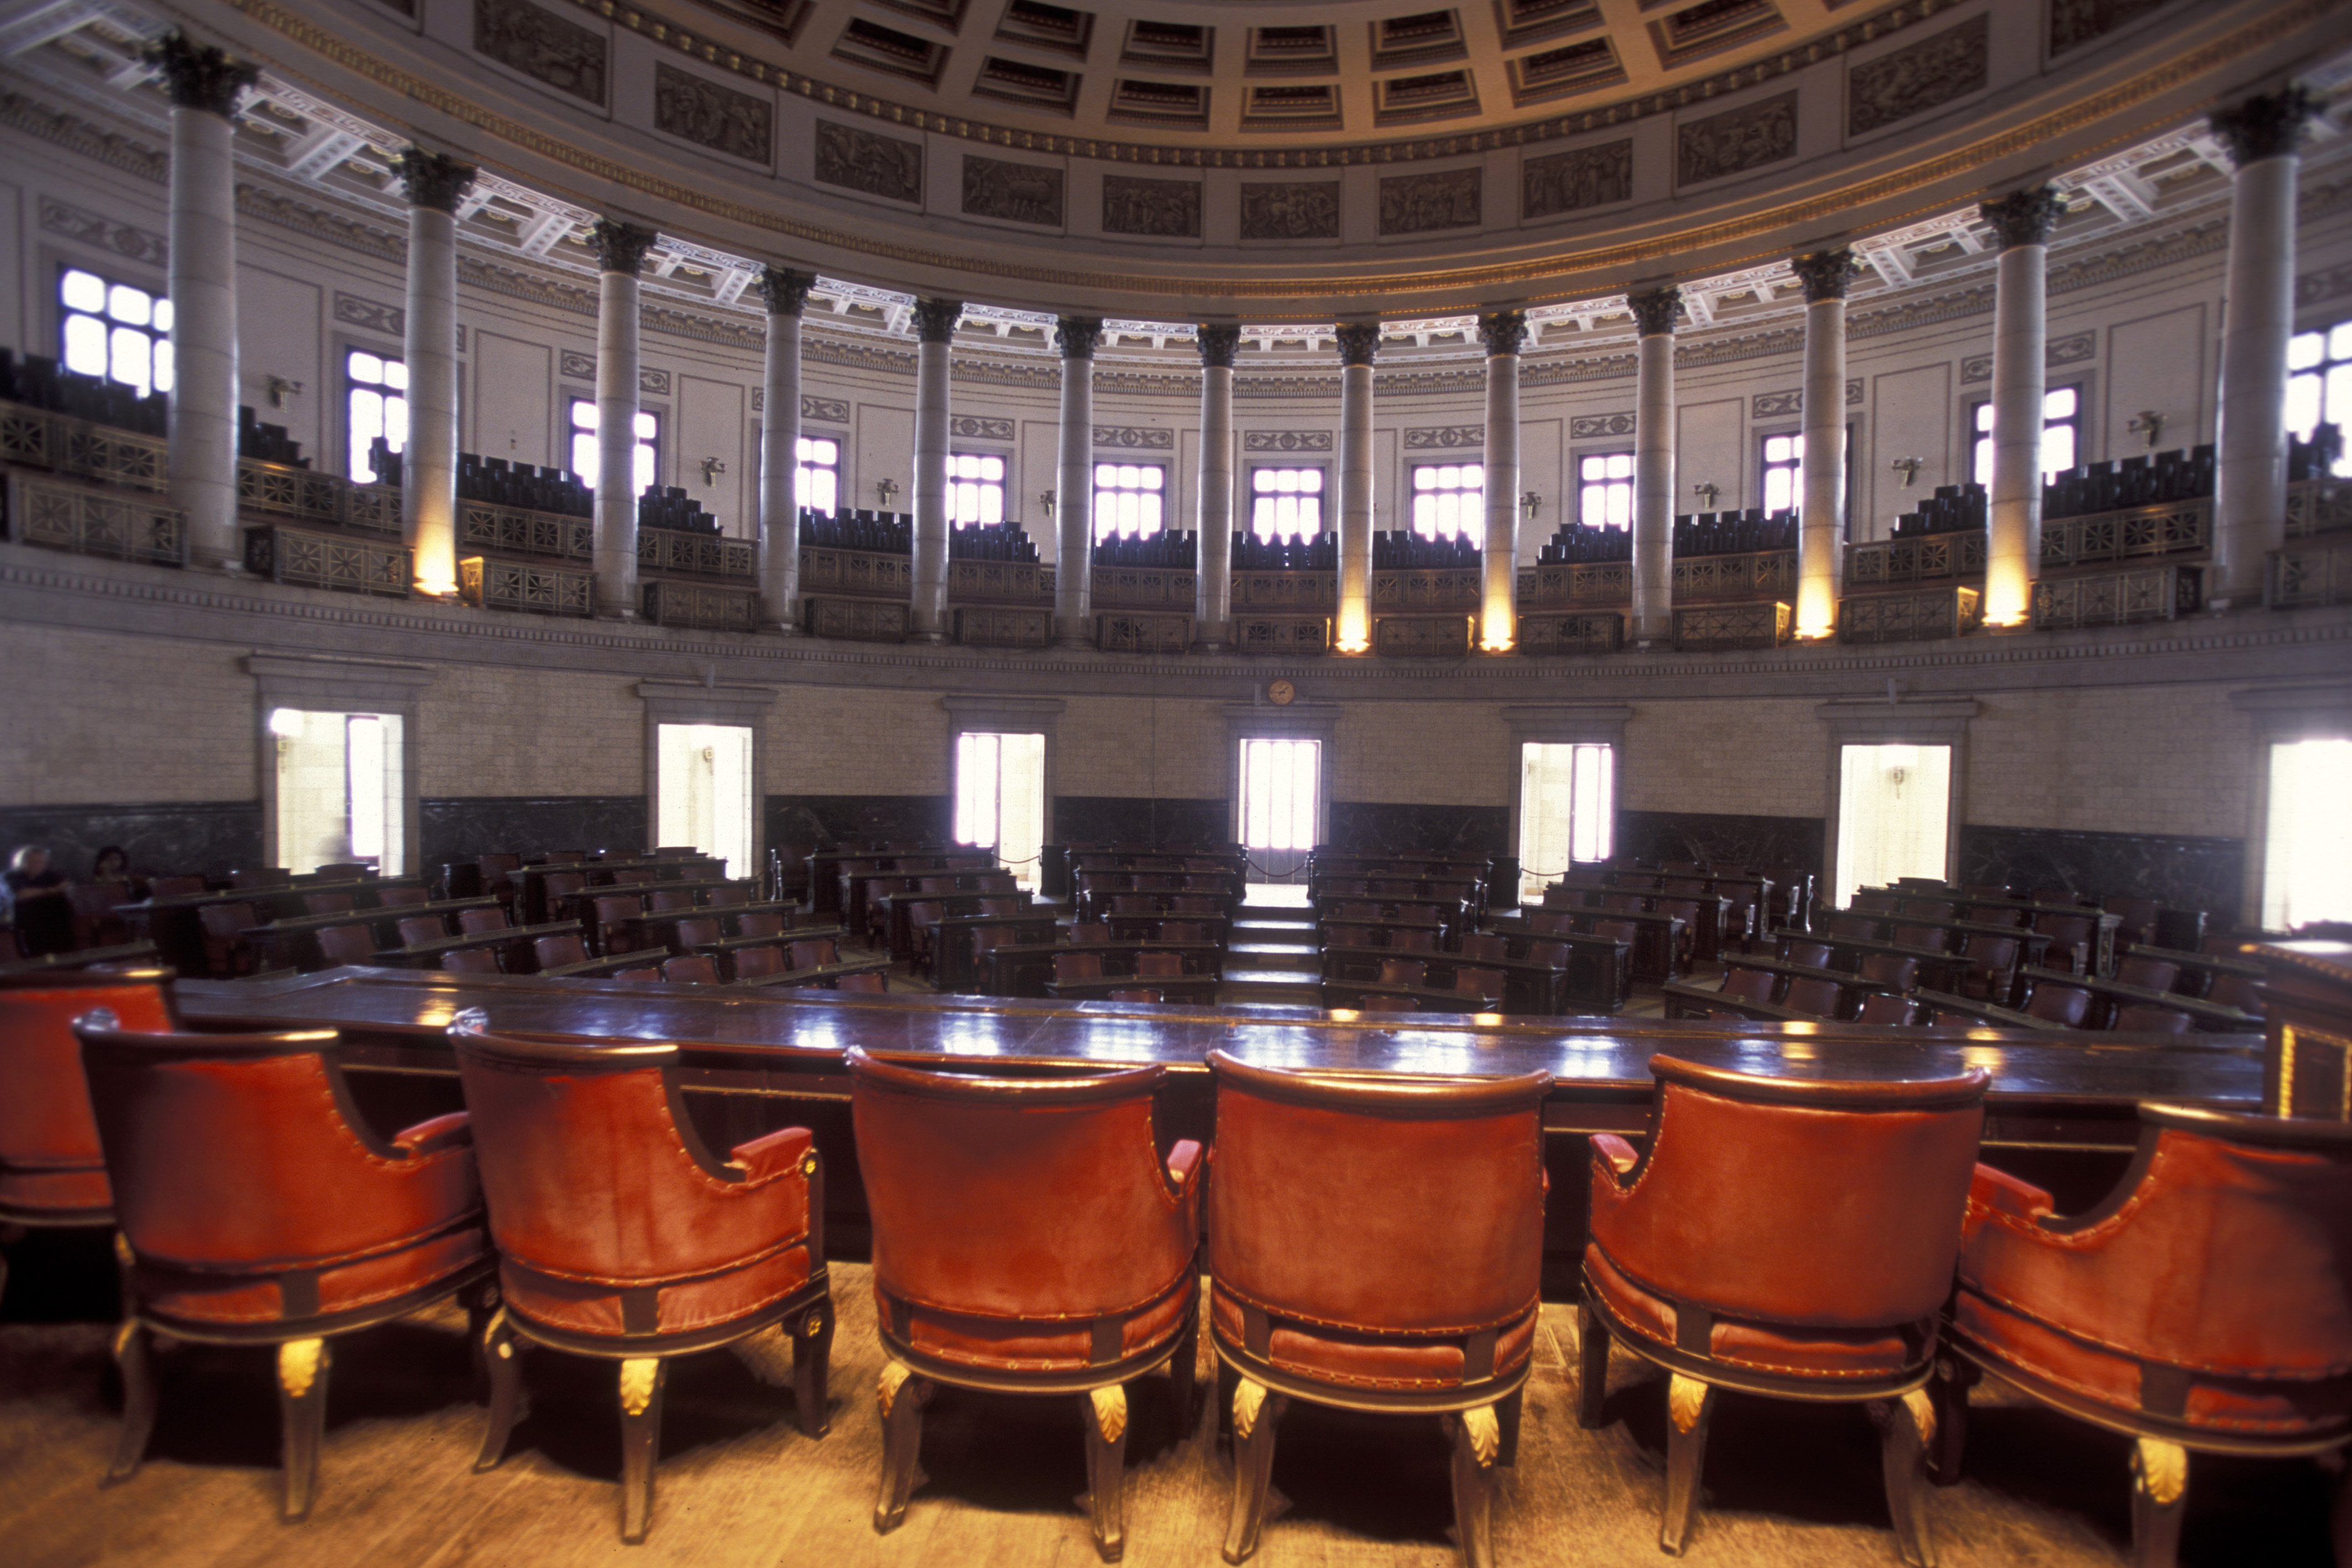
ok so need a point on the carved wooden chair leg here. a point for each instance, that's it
(1506, 1415)
(1954, 1378)
(812, 1354)
(1592, 1365)
(901, 1396)
(642, 1378)
(2159, 1499)
(1477, 1444)
(1183, 1376)
(1256, 1413)
(302, 1367)
(1906, 1428)
(1690, 1406)
(501, 1353)
(134, 1355)
(482, 1306)
(1107, 1467)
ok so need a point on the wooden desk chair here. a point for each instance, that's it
(1484, 945)
(1078, 966)
(760, 923)
(2070, 941)
(1617, 930)
(1991, 973)
(473, 922)
(669, 901)
(1159, 964)
(1028, 1239)
(1403, 972)
(226, 953)
(1477, 982)
(2150, 974)
(621, 1237)
(814, 953)
(751, 963)
(256, 1209)
(1800, 950)
(1857, 925)
(922, 927)
(2204, 1306)
(402, 897)
(1822, 998)
(416, 928)
(692, 971)
(2144, 1017)
(1750, 985)
(1822, 1283)
(1411, 939)
(2238, 992)
(1551, 922)
(347, 944)
(1880, 1007)
(1423, 1303)
(1890, 969)
(554, 952)
(471, 961)
(698, 932)
(1084, 932)
(2069, 1005)
(1935, 939)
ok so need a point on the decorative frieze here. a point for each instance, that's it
(693, 108)
(1135, 437)
(370, 315)
(1598, 427)
(1789, 404)
(543, 46)
(827, 410)
(1918, 76)
(1447, 438)
(979, 427)
(1418, 204)
(1571, 182)
(1013, 193)
(2074, 348)
(1286, 441)
(1169, 209)
(1290, 209)
(867, 162)
(90, 228)
(1737, 141)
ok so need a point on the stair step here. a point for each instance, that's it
(1293, 930)
(1271, 974)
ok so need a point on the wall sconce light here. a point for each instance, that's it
(884, 489)
(1706, 493)
(1909, 468)
(2148, 425)
(1046, 499)
(711, 468)
(1529, 504)
(280, 388)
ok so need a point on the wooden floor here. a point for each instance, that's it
(739, 1485)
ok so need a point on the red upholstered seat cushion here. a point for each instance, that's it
(249, 1299)
(1355, 1359)
(1038, 1344)
(1785, 1350)
(680, 1306)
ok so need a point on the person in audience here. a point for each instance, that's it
(111, 873)
(94, 902)
(39, 900)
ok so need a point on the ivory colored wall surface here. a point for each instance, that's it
(855, 741)
(1172, 748)
(94, 717)
(1748, 759)
(1424, 754)
(2174, 760)
(502, 730)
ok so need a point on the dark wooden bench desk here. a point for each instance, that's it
(291, 940)
(1985, 1013)
(901, 928)
(953, 968)
(2201, 969)
(611, 964)
(513, 940)
(859, 888)
(176, 925)
(1600, 969)
(817, 975)
(1021, 969)
(660, 930)
(1528, 988)
(531, 879)
(1657, 942)
(2030, 944)
(1935, 967)
(2110, 997)
(1707, 935)
(1426, 999)
(1200, 989)
(757, 1059)
(83, 958)
(1139, 927)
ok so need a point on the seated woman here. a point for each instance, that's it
(94, 902)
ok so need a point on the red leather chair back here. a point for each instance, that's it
(1551, 955)
(416, 928)
(1478, 982)
(751, 963)
(473, 922)
(1160, 964)
(470, 961)
(326, 904)
(2068, 1004)
(554, 952)
(1797, 1201)
(400, 897)
(1878, 1007)
(695, 970)
(1411, 939)
(1484, 945)
(50, 1161)
(1183, 931)
(669, 901)
(347, 943)
(2144, 1019)
(1017, 1198)
(1797, 950)
(2154, 974)
(594, 1171)
(1928, 936)
(231, 1151)
(1807, 995)
(1078, 966)
(1997, 954)
(1086, 931)
(1403, 971)
(760, 923)
(1380, 1205)
(1750, 985)
(814, 953)
(1616, 930)
(698, 932)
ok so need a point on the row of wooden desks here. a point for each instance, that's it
(1709, 932)
(2113, 996)
(1200, 989)
(512, 942)
(1935, 967)
(1025, 969)
(1600, 974)
(2199, 969)
(953, 965)
(176, 925)
(1527, 987)
(2000, 916)
(292, 942)
(666, 871)
(1657, 938)
(82, 958)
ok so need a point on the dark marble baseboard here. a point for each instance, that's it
(459, 828)
(796, 825)
(1123, 820)
(1378, 828)
(2181, 873)
(215, 837)
(1756, 842)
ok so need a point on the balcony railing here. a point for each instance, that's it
(2151, 592)
(514, 530)
(696, 554)
(284, 553)
(489, 582)
(87, 522)
(1924, 557)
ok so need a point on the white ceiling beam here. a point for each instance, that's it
(321, 152)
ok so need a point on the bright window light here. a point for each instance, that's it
(1567, 811)
(2307, 860)
(1280, 782)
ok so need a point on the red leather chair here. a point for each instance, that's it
(1819, 1282)
(760, 923)
(1159, 965)
(1411, 939)
(814, 953)
(1889, 969)
(2068, 1004)
(2145, 1017)
(473, 922)
(257, 1207)
(52, 1170)
(1028, 1239)
(751, 963)
(2205, 1306)
(400, 897)
(621, 1236)
(471, 961)
(695, 970)
(1750, 985)
(1376, 1246)
(865, 982)
(1882, 1009)
(347, 944)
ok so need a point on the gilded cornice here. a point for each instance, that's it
(1535, 278)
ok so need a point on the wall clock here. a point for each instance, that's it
(1280, 693)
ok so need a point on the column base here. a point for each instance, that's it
(928, 638)
(780, 628)
(1073, 632)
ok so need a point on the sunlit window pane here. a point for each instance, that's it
(2305, 350)
(132, 307)
(86, 345)
(82, 291)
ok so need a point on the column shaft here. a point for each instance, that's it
(202, 282)
(931, 604)
(780, 442)
(1498, 626)
(1352, 632)
(1073, 502)
(616, 444)
(2249, 481)
(1653, 465)
(1820, 524)
(1214, 606)
(2020, 335)
(428, 466)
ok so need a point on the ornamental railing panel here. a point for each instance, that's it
(490, 583)
(1427, 589)
(2318, 506)
(1929, 614)
(2305, 576)
(1145, 586)
(67, 518)
(301, 556)
(1702, 628)
(1281, 635)
(1421, 636)
(699, 605)
(2118, 598)
(858, 619)
(1119, 633)
(696, 554)
(1024, 582)
(1004, 625)
(2176, 528)
(1277, 591)
(825, 570)
(515, 531)
(1589, 631)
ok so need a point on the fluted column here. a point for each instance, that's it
(1654, 311)
(1821, 548)
(1074, 571)
(620, 250)
(2020, 221)
(1358, 342)
(2263, 135)
(1214, 604)
(203, 85)
(435, 185)
(935, 325)
(787, 292)
(1505, 333)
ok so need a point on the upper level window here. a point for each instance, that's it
(1130, 500)
(1449, 500)
(975, 489)
(376, 403)
(2319, 383)
(1286, 502)
(1784, 471)
(2061, 427)
(820, 477)
(116, 331)
(1605, 490)
(584, 445)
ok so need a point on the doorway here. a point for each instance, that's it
(1895, 807)
(1281, 802)
(340, 791)
(703, 791)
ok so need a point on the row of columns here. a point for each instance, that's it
(2263, 133)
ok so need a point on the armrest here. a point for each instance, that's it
(2003, 1193)
(1615, 1153)
(777, 1154)
(453, 1131)
(1184, 1164)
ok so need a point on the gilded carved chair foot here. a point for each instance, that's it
(1690, 1406)
(1256, 1413)
(1949, 1391)
(1106, 1426)
(1592, 1365)
(482, 1306)
(812, 1337)
(2159, 1499)
(642, 1378)
(134, 1355)
(302, 1367)
(1907, 1430)
(1478, 1436)
(500, 1352)
(900, 1396)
